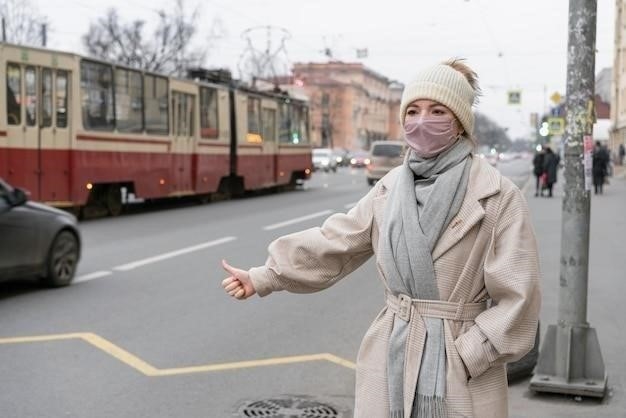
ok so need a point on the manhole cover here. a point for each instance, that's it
(292, 407)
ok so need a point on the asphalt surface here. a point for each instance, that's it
(146, 331)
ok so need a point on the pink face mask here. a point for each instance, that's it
(429, 137)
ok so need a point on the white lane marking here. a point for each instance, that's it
(350, 205)
(296, 220)
(91, 276)
(160, 257)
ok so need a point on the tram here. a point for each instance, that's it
(75, 132)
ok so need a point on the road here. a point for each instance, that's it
(146, 330)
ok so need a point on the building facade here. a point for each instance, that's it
(351, 106)
(618, 93)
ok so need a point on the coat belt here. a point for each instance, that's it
(402, 305)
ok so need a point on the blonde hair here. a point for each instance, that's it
(470, 75)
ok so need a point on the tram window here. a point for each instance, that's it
(30, 77)
(269, 124)
(61, 99)
(97, 96)
(128, 100)
(300, 122)
(254, 126)
(46, 97)
(209, 125)
(304, 125)
(14, 95)
(182, 105)
(156, 103)
(284, 136)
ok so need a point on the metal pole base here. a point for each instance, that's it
(570, 362)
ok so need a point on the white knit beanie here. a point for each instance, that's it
(442, 83)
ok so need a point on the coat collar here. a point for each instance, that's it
(484, 181)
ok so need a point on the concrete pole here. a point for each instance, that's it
(570, 360)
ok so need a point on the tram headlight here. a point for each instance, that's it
(89, 186)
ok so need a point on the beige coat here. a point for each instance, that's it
(487, 252)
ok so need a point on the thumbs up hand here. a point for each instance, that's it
(238, 284)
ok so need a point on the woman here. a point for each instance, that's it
(600, 161)
(550, 167)
(455, 250)
(538, 171)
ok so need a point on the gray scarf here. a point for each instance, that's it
(426, 196)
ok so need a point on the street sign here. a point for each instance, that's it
(556, 126)
(515, 96)
(556, 97)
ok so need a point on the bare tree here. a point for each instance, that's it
(167, 51)
(21, 25)
(489, 133)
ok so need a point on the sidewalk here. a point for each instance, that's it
(606, 310)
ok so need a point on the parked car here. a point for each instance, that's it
(324, 159)
(359, 159)
(384, 155)
(36, 240)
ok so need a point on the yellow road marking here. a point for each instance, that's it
(149, 370)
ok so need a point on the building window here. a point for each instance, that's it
(97, 96)
(209, 117)
(156, 104)
(14, 95)
(128, 100)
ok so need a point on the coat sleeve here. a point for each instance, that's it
(506, 331)
(316, 258)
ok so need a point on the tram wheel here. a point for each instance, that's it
(113, 200)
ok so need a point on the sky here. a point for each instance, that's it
(512, 45)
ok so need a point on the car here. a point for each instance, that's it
(488, 154)
(384, 155)
(342, 157)
(36, 240)
(359, 159)
(324, 159)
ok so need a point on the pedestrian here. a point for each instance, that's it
(538, 171)
(455, 250)
(600, 162)
(622, 153)
(550, 167)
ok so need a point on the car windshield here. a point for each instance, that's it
(387, 150)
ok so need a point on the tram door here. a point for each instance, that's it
(270, 144)
(54, 136)
(38, 131)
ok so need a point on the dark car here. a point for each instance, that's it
(36, 240)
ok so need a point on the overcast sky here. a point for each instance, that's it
(511, 44)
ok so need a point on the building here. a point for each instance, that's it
(603, 84)
(618, 94)
(351, 105)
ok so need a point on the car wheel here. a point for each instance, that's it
(524, 367)
(62, 260)
(371, 182)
